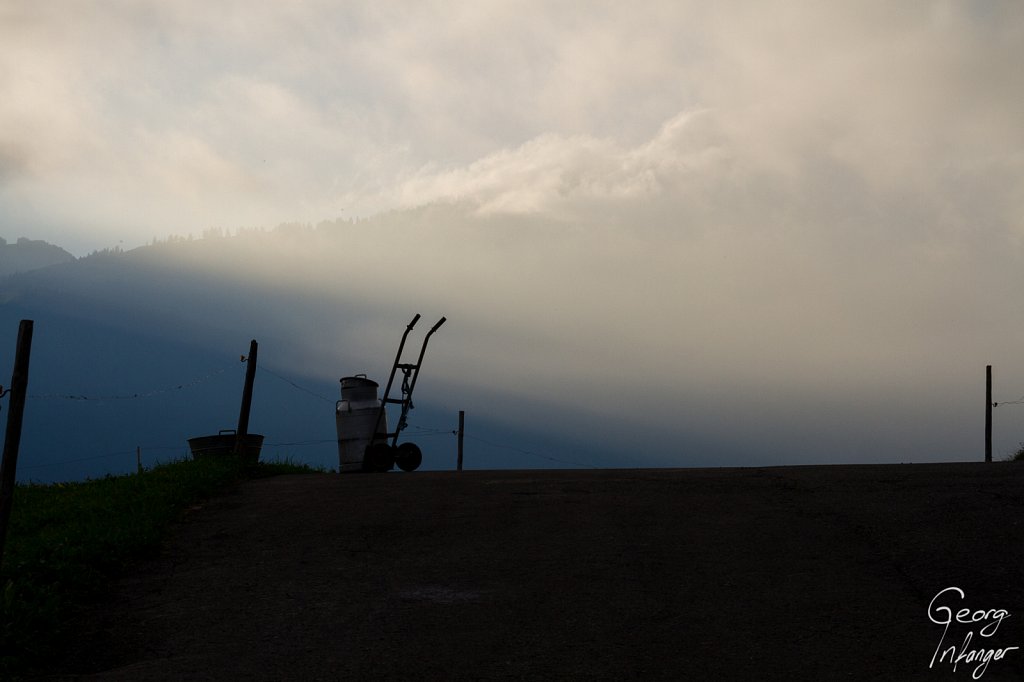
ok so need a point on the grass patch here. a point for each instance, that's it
(279, 467)
(66, 542)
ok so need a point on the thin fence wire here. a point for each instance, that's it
(300, 443)
(106, 455)
(584, 465)
(295, 385)
(128, 396)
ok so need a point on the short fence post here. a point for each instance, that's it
(988, 413)
(462, 429)
(12, 438)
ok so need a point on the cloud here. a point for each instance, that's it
(321, 108)
(551, 173)
(724, 209)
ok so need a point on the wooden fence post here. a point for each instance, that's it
(988, 413)
(243, 416)
(12, 438)
(462, 429)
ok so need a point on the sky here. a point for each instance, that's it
(803, 217)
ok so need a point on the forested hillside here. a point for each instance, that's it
(28, 254)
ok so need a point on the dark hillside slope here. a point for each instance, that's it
(28, 254)
(134, 350)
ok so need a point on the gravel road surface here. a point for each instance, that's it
(789, 573)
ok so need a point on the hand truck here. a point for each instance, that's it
(380, 454)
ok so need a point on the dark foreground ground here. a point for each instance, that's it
(796, 573)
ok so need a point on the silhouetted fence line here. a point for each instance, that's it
(137, 453)
(420, 432)
(251, 365)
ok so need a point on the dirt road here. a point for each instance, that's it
(777, 573)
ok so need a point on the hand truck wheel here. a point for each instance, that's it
(409, 457)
